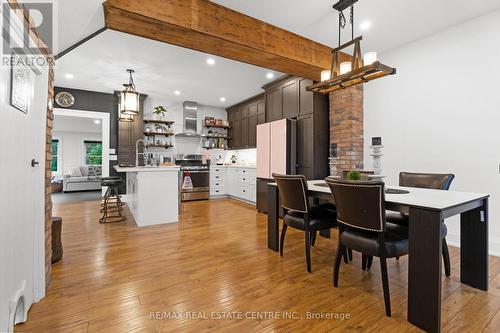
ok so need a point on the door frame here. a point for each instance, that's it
(105, 132)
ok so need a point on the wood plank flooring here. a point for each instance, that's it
(215, 262)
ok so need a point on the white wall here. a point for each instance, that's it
(175, 113)
(441, 112)
(71, 151)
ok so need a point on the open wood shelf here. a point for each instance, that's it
(159, 146)
(217, 137)
(156, 133)
(357, 76)
(152, 121)
(217, 126)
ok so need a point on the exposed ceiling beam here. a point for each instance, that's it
(211, 28)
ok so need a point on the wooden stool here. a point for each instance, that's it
(57, 248)
(111, 207)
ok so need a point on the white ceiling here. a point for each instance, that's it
(100, 63)
(76, 124)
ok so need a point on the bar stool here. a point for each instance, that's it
(112, 205)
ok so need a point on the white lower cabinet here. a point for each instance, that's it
(236, 182)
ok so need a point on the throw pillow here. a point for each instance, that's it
(75, 172)
(85, 170)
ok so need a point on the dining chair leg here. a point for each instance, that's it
(345, 256)
(363, 261)
(385, 284)
(336, 266)
(446, 258)
(313, 237)
(308, 250)
(349, 252)
(282, 241)
(369, 261)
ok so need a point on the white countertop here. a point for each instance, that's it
(234, 166)
(147, 169)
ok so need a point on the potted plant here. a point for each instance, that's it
(354, 175)
(159, 112)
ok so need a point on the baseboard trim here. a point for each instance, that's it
(453, 239)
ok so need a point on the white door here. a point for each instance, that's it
(22, 137)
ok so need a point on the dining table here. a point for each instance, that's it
(427, 209)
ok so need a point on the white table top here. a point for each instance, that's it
(418, 197)
(147, 169)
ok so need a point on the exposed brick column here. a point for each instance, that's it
(346, 126)
(48, 176)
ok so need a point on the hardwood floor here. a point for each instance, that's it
(113, 278)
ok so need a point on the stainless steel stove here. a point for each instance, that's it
(192, 166)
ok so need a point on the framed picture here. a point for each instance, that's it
(20, 84)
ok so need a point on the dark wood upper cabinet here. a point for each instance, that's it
(244, 118)
(274, 104)
(287, 97)
(261, 112)
(290, 99)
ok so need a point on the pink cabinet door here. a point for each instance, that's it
(263, 150)
(278, 147)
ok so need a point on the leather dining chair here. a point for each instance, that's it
(425, 180)
(362, 227)
(298, 213)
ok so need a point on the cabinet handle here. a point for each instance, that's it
(244, 191)
(244, 179)
(216, 183)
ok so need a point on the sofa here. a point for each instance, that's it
(83, 178)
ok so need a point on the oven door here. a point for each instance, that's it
(200, 179)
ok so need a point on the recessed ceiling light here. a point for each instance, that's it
(177, 92)
(69, 76)
(365, 25)
(211, 61)
(223, 99)
(97, 121)
(270, 75)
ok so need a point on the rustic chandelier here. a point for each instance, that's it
(356, 71)
(129, 100)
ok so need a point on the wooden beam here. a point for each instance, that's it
(205, 26)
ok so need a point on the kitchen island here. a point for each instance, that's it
(152, 194)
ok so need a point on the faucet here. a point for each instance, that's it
(137, 150)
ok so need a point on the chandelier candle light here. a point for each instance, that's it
(356, 71)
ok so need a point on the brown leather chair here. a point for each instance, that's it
(298, 214)
(331, 206)
(425, 180)
(362, 227)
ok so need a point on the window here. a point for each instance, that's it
(93, 152)
(55, 146)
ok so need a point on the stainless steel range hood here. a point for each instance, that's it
(190, 118)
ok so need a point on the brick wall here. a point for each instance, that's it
(48, 144)
(48, 175)
(346, 126)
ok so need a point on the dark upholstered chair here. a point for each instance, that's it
(362, 227)
(424, 180)
(298, 214)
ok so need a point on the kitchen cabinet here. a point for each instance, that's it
(287, 97)
(244, 118)
(237, 182)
